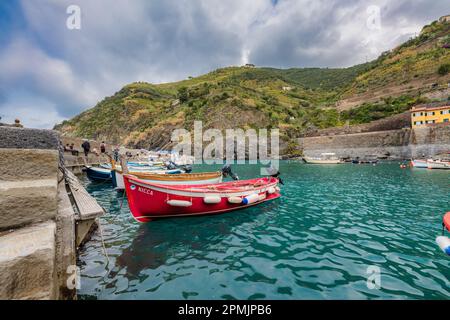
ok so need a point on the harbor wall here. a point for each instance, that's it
(37, 219)
(393, 144)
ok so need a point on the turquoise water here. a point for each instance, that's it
(316, 242)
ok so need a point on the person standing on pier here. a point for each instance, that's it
(86, 147)
(116, 153)
(103, 147)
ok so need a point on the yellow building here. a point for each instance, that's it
(429, 114)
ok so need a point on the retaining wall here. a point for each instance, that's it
(395, 144)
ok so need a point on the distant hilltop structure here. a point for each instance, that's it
(445, 18)
(249, 65)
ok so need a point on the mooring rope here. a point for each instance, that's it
(103, 241)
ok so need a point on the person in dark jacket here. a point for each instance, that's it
(103, 147)
(86, 147)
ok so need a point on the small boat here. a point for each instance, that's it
(325, 158)
(366, 160)
(98, 174)
(149, 201)
(438, 164)
(443, 242)
(419, 163)
(168, 177)
(145, 163)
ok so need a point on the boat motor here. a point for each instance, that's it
(187, 168)
(171, 165)
(226, 171)
(274, 172)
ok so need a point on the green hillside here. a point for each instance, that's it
(295, 100)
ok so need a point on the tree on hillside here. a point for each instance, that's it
(183, 94)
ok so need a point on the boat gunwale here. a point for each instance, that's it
(174, 176)
(198, 191)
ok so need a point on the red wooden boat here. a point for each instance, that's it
(150, 201)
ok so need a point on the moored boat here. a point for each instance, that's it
(419, 163)
(325, 158)
(154, 201)
(438, 164)
(368, 159)
(98, 174)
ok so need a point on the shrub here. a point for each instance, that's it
(444, 69)
(183, 94)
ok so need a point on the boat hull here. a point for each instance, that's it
(98, 174)
(319, 161)
(437, 164)
(419, 163)
(152, 201)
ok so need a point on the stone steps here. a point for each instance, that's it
(27, 201)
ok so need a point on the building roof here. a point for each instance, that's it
(431, 106)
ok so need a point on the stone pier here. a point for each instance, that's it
(38, 218)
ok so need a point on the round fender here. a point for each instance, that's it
(443, 243)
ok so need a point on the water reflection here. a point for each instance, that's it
(156, 242)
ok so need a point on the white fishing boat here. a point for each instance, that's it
(419, 163)
(325, 158)
(438, 164)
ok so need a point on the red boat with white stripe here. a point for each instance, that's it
(148, 201)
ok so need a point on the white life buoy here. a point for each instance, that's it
(271, 190)
(212, 199)
(179, 203)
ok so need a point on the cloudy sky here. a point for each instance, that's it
(49, 72)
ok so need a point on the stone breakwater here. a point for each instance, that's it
(393, 144)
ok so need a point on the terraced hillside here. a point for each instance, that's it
(297, 100)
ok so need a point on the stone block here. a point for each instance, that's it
(27, 164)
(26, 202)
(27, 261)
(25, 138)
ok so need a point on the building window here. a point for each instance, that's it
(446, 120)
(414, 115)
(421, 113)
